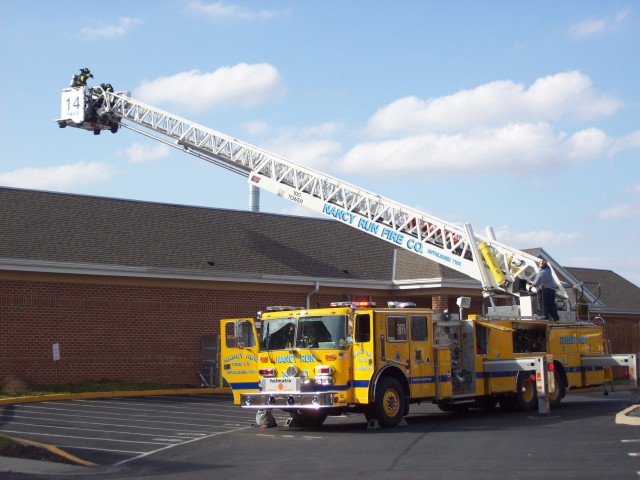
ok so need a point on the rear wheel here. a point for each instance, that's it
(486, 402)
(559, 391)
(390, 402)
(526, 394)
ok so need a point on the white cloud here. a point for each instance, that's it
(589, 143)
(312, 153)
(620, 212)
(564, 95)
(627, 142)
(242, 84)
(220, 10)
(499, 126)
(587, 28)
(536, 238)
(111, 31)
(61, 177)
(324, 130)
(256, 128)
(512, 149)
(310, 146)
(628, 211)
(139, 153)
(596, 26)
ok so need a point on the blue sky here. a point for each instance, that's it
(524, 116)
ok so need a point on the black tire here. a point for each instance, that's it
(309, 418)
(558, 393)
(390, 402)
(370, 413)
(486, 402)
(454, 407)
(526, 393)
(508, 403)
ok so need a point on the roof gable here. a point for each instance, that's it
(617, 293)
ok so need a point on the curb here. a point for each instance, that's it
(121, 393)
(55, 450)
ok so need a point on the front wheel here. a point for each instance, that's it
(390, 402)
(309, 418)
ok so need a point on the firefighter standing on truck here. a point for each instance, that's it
(546, 288)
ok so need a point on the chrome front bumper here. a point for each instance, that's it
(288, 400)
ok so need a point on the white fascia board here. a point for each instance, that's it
(430, 283)
(36, 266)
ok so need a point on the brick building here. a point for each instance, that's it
(135, 291)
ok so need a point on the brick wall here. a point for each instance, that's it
(125, 331)
(119, 332)
(153, 333)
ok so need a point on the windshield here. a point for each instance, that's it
(327, 331)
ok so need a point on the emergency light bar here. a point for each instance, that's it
(362, 303)
(282, 308)
(394, 304)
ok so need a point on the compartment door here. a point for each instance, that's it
(423, 380)
(444, 386)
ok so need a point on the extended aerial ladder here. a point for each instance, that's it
(501, 269)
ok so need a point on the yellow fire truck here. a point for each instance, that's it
(359, 357)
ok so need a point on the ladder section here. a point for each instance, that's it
(497, 266)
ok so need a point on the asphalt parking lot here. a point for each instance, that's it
(190, 437)
(115, 431)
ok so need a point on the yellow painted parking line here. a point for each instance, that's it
(55, 450)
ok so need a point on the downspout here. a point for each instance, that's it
(393, 264)
(317, 287)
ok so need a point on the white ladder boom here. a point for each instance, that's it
(497, 266)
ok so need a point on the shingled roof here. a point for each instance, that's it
(86, 230)
(616, 293)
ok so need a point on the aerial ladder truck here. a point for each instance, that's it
(378, 360)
